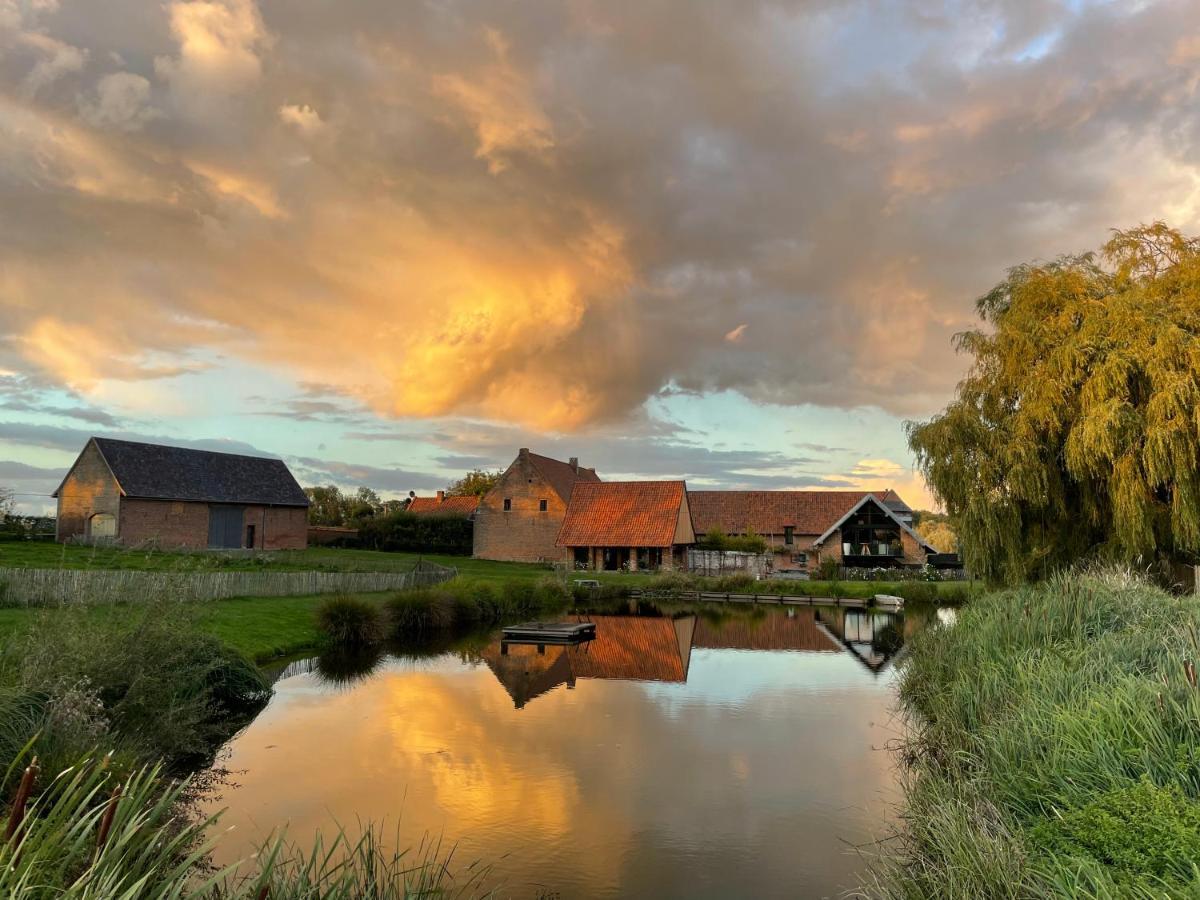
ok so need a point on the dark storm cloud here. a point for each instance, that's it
(548, 212)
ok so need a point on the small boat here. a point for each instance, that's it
(550, 632)
(888, 601)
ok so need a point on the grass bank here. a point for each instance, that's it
(1055, 747)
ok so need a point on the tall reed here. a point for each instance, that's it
(1054, 729)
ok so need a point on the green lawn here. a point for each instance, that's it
(49, 555)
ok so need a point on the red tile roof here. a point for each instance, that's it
(635, 648)
(562, 476)
(795, 631)
(622, 514)
(768, 512)
(449, 506)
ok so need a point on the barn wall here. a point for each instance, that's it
(88, 489)
(286, 528)
(169, 523)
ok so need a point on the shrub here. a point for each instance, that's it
(917, 591)
(347, 621)
(146, 673)
(733, 584)
(411, 533)
(1137, 830)
(828, 569)
(420, 611)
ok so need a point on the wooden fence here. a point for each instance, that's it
(56, 587)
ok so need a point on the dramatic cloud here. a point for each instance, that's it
(545, 213)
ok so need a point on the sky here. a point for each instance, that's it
(393, 241)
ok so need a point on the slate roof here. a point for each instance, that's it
(622, 514)
(158, 472)
(449, 506)
(561, 476)
(768, 512)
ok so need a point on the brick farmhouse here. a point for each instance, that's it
(856, 528)
(519, 519)
(135, 493)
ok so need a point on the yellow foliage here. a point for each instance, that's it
(1077, 430)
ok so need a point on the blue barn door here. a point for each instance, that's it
(225, 526)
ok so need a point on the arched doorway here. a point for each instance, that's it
(102, 525)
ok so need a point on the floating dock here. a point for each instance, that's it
(550, 632)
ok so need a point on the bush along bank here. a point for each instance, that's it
(458, 604)
(143, 680)
(940, 593)
(1054, 747)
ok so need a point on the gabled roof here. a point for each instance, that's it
(770, 512)
(635, 648)
(158, 472)
(622, 514)
(446, 506)
(561, 476)
(870, 498)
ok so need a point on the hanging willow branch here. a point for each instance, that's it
(1077, 429)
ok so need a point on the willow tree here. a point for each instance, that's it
(1076, 431)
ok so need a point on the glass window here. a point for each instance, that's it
(542, 506)
(507, 504)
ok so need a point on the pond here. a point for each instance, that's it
(679, 754)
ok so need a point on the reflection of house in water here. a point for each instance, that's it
(630, 648)
(652, 648)
(874, 638)
(797, 630)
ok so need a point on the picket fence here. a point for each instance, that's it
(56, 587)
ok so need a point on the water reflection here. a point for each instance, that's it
(707, 753)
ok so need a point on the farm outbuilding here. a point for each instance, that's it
(135, 493)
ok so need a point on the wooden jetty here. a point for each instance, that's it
(549, 633)
(881, 601)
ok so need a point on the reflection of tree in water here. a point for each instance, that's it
(889, 639)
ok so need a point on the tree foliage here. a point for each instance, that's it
(937, 530)
(476, 483)
(328, 505)
(1076, 431)
(716, 539)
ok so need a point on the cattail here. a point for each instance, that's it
(264, 892)
(22, 798)
(110, 812)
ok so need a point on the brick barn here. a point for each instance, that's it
(627, 525)
(135, 493)
(856, 528)
(519, 519)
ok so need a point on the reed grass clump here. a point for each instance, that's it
(346, 621)
(1055, 746)
(91, 833)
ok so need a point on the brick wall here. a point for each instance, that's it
(174, 523)
(524, 533)
(88, 489)
(286, 528)
(170, 523)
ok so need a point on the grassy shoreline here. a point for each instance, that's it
(1054, 747)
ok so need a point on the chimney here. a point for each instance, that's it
(524, 451)
(441, 496)
(575, 463)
